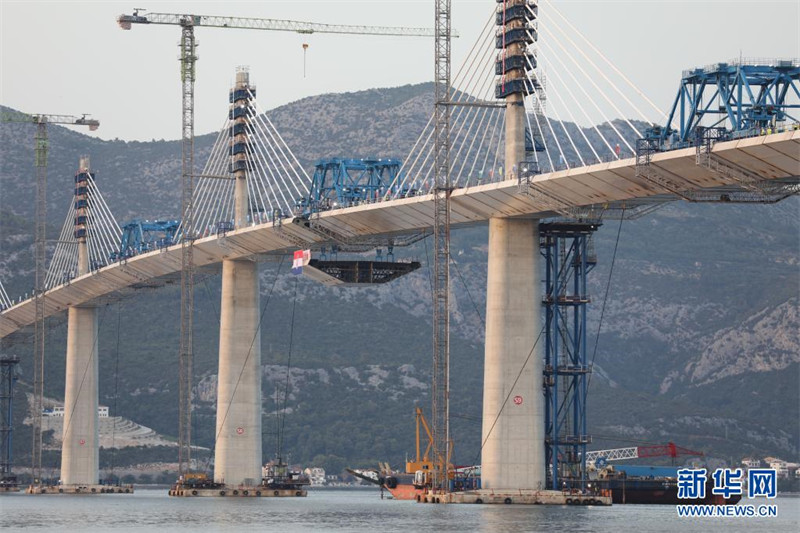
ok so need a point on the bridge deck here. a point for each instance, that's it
(775, 156)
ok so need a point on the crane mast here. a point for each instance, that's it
(188, 22)
(188, 60)
(441, 238)
(39, 255)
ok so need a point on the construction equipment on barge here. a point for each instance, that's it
(279, 481)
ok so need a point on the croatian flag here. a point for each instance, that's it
(301, 257)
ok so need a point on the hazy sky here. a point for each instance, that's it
(71, 57)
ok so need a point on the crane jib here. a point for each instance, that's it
(212, 21)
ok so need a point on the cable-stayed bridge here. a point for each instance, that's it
(515, 156)
(729, 136)
(588, 191)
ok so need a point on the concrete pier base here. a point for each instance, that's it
(80, 459)
(519, 497)
(79, 489)
(239, 492)
(237, 456)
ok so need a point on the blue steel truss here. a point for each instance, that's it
(8, 377)
(569, 257)
(738, 97)
(141, 236)
(340, 182)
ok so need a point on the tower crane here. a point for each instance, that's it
(440, 391)
(188, 59)
(41, 148)
(249, 23)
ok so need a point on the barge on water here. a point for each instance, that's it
(9, 483)
(278, 482)
(640, 484)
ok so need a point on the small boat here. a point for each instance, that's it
(282, 481)
(415, 480)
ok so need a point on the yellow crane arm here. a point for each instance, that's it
(421, 420)
(213, 21)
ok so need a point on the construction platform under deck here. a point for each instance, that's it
(519, 497)
(349, 273)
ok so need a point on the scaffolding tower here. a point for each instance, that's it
(569, 256)
(8, 375)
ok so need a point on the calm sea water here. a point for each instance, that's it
(354, 510)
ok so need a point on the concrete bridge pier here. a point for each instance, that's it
(513, 455)
(237, 457)
(80, 459)
(513, 402)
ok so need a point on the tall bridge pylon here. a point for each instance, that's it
(237, 451)
(90, 236)
(512, 456)
(80, 452)
(40, 257)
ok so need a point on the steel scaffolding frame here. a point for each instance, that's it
(8, 376)
(569, 257)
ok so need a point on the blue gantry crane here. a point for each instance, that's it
(341, 182)
(735, 99)
(723, 102)
(140, 236)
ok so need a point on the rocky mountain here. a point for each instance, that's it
(699, 340)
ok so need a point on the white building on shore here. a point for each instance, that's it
(316, 475)
(58, 410)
